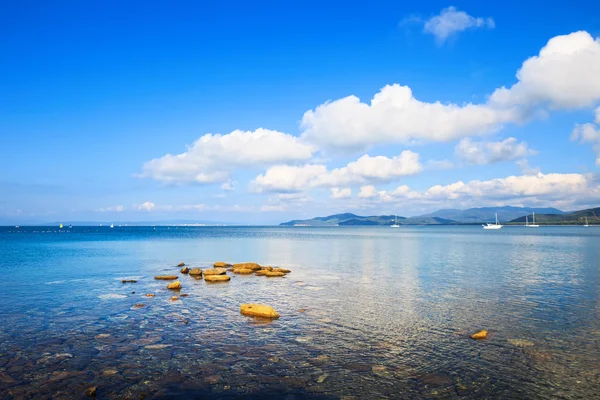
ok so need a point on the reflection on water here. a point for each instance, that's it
(366, 312)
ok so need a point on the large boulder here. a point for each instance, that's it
(166, 277)
(185, 270)
(181, 264)
(174, 286)
(259, 310)
(222, 264)
(215, 271)
(195, 271)
(217, 278)
(274, 274)
(250, 265)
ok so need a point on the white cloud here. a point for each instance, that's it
(527, 169)
(337, 193)
(212, 157)
(112, 209)
(588, 133)
(597, 114)
(229, 185)
(284, 178)
(565, 74)
(285, 201)
(482, 153)
(367, 192)
(147, 206)
(451, 21)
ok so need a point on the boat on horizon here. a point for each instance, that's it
(586, 223)
(60, 226)
(395, 225)
(112, 225)
(493, 226)
(528, 225)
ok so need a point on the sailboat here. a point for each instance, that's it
(586, 223)
(531, 225)
(60, 226)
(112, 225)
(395, 225)
(493, 226)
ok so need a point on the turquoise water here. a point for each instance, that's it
(365, 312)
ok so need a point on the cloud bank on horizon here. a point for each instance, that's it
(564, 75)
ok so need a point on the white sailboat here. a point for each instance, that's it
(112, 225)
(395, 225)
(531, 225)
(586, 223)
(493, 226)
(60, 226)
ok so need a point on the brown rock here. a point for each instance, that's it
(215, 271)
(242, 271)
(272, 274)
(175, 285)
(181, 264)
(129, 281)
(196, 271)
(252, 266)
(217, 278)
(262, 272)
(149, 294)
(184, 295)
(221, 264)
(166, 277)
(259, 310)
(211, 380)
(138, 306)
(482, 334)
(91, 392)
(174, 298)
(185, 270)
(285, 271)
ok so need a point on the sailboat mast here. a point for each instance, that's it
(534, 218)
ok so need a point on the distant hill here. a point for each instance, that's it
(441, 217)
(572, 218)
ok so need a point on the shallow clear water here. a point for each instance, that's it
(366, 312)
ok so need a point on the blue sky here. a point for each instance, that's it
(94, 96)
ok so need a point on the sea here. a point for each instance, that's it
(365, 313)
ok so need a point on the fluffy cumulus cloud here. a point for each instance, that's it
(147, 206)
(482, 153)
(452, 21)
(565, 74)
(212, 157)
(284, 178)
(344, 193)
(589, 133)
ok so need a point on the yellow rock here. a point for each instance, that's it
(181, 264)
(217, 278)
(252, 266)
(242, 271)
(185, 270)
(175, 285)
(480, 335)
(150, 295)
(215, 271)
(174, 298)
(166, 277)
(262, 272)
(273, 274)
(258, 310)
(221, 264)
(195, 271)
(285, 271)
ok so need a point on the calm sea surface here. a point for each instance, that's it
(366, 312)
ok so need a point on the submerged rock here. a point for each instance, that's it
(175, 285)
(285, 271)
(195, 271)
(91, 392)
(181, 264)
(166, 277)
(242, 271)
(128, 281)
(138, 306)
(249, 265)
(215, 271)
(259, 310)
(149, 294)
(221, 264)
(216, 278)
(184, 270)
(482, 334)
(157, 346)
(521, 342)
(272, 274)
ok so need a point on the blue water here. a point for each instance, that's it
(365, 312)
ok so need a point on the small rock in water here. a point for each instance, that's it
(259, 310)
(157, 346)
(174, 298)
(149, 294)
(91, 392)
(482, 334)
(184, 270)
(215, 271)
(322, 378)
(273, 274)
(380, 370)
(138, 306)
(195, 272)
(184, 295)
(174, 286)
(181, 264)
(248, 265)
(285, 271)
(102, 336)
(221, 264)
(242, 271)
(166, 277)
(129, 281)
(301, 310)
(217, 278)
(132, 292)
(109, 372)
